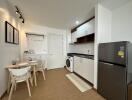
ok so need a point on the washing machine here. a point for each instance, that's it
(69, 63)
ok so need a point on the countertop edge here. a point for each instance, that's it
(81, 55)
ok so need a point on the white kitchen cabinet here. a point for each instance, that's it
(73, 37)
(91, 27)
(81, 30)
(88, 69)
(84, 67)
(86, 29)
(77, 65)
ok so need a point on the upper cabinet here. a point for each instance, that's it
(74, 37)
(86, 29)
(84, 32)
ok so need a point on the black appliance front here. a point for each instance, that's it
(67, 62)
(112, 81)
(114, 52)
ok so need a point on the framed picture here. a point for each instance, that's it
(16, 36)
(9, 33)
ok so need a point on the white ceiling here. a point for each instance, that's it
(60, 14)
(113, 4)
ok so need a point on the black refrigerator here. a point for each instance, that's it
(114, 70)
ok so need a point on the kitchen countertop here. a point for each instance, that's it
(81, 55)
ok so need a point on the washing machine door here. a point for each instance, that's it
(68, 63)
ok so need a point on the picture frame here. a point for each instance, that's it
(9, 33)
(16, 36)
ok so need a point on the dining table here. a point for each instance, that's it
(22, 64)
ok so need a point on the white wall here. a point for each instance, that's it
(115, 25)
(8, 52)
(122, 23)
(82, 48)
(112, 25)
(103, 19)
(37, 29)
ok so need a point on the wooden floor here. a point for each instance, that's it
(55, 87)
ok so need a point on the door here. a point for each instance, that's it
(55, 51)
(112, 81)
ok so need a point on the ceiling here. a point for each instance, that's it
(113, 4)
(60, 14)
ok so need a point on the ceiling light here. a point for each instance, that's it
(77, 22)
(19, 13)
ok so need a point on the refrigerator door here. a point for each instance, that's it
(112, 81)
(114, 52)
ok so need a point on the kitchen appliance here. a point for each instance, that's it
(69, 63)
(114, 70)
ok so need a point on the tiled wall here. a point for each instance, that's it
(82, 48)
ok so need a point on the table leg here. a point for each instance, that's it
(11, 91)
(9, 84)
(34, 73)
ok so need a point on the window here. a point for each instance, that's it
(36, 43)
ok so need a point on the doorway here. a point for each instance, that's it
(55, 51)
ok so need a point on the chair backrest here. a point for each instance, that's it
(19, 72)
(27, 59)
(41, 63)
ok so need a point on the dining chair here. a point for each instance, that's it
(19, 75)
(33, 65)
(41, 67)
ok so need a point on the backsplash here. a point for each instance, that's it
(87, 48)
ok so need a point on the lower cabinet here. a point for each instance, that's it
(84, 67)
(77, 65)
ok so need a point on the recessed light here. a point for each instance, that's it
(77, 22)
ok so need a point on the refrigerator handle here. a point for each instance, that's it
(108, 64)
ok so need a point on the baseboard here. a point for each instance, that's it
(54, 68)
(3, 95)
(94, 89)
